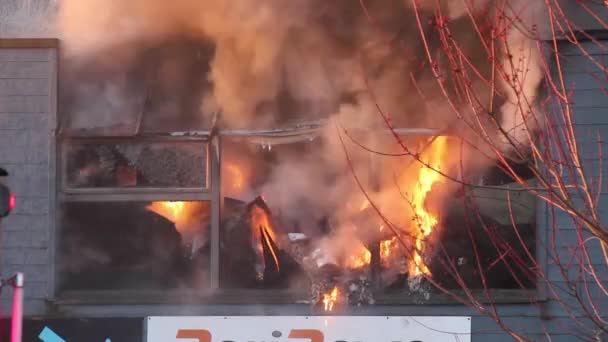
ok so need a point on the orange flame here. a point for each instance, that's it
(363, 256)
(329, 299)
(237, 177)
(171, 210)
(189, 217)
(386, 249)
(427, 176)
(359, 259)
(261, 222)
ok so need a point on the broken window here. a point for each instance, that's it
(135, 195)
(253, 237)
(158, 88)
(135, 214)
(139, 245)
(140, 164)
(293, 219)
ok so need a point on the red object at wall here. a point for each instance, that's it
(12, 200)
(7, 201)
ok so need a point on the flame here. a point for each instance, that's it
(189, 217)
(171, 210)
(237, 176)
(363, 256)
(329, 299)
(425, 221)
(427, 176)
(260, 224)
(386, 249)
(359, 259)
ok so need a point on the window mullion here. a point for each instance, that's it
(214, 165)
(115, 197)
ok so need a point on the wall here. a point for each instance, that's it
(27, 119)
(585, 15)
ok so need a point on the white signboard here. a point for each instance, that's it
(308, 329)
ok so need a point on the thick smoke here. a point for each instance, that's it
(266, 53)
(267, 63)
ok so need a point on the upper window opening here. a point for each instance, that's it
(288, 225)
(163, 88)
(136, 164)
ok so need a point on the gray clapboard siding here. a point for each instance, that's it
(578, 17)
(596, 173)
(18, 69)
(24, 104)
(25, 55)
(585, 81)
(562, 221)
(27, 111)
(21, 86)
(579, 63)
(590, 139)
(575, 252)
(591, 116)
(589, 100)
(599, 48)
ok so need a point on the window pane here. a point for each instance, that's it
(253, 251)
(486, 236)
(133, 245)
(255, 247)
(297, 190)
(124, 165)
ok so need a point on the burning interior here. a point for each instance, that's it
(284, 228)
(191, 165)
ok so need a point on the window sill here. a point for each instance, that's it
(252, 297)
(502, 296)
(147, 297)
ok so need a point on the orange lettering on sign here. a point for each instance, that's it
(312, 335)
(201, 335)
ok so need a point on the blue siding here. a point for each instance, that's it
(589, 98)
(585, 80)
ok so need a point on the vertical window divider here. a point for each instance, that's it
(215, 165)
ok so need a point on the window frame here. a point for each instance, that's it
(212, 193)
(65, 193)
(75, 191)
(497, 296)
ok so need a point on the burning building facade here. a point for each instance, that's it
(183, 180)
